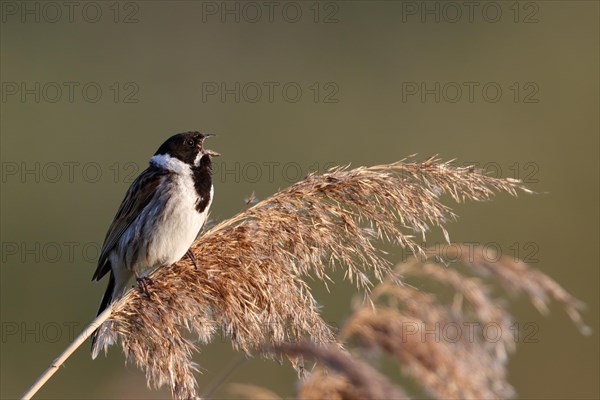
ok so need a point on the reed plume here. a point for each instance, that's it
(443, 347)
(250, 280)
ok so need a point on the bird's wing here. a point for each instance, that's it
(140, 193)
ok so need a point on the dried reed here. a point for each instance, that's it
(347, 377)
(443, 348)
(249, 281)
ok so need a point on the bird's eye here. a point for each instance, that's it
(190, 142)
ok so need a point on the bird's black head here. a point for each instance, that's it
(187, 147)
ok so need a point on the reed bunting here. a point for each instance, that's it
(161, 215)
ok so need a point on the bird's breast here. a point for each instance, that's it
(177, 223)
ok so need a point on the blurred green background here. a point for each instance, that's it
(89, 91)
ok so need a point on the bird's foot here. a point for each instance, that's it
(143, 283)
(192, 257)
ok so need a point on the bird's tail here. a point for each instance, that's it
(106, 300)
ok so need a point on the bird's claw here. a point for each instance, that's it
(143, 284)
(192, 257)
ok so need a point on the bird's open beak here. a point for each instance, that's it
(211, 153)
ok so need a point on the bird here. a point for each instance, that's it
(161, 215)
